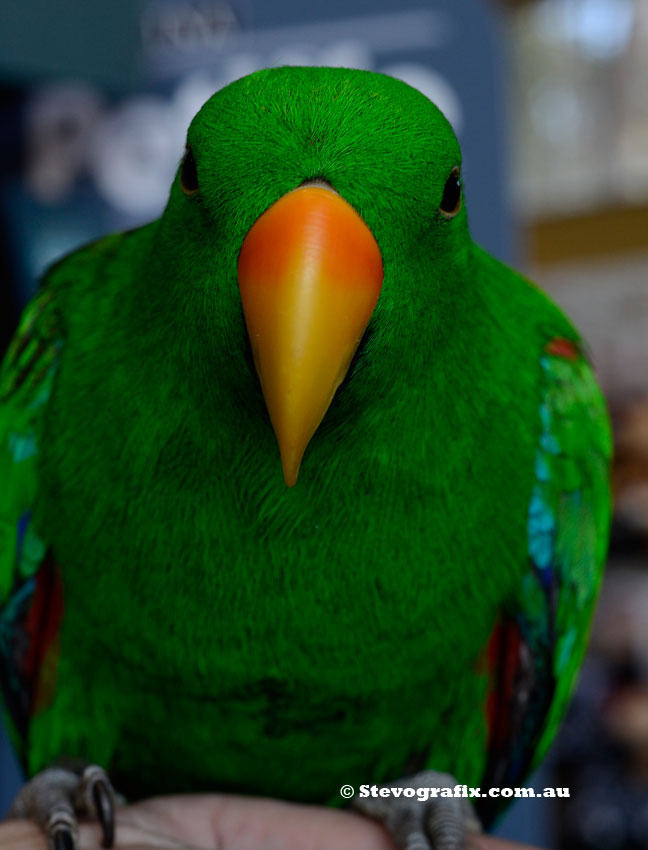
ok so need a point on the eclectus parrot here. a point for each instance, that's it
(300, 487)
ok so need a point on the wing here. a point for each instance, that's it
(30, 598)
(538, 644)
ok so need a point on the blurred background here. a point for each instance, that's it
(550, 101)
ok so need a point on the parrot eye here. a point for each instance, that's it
(188, 174)
(451, 201)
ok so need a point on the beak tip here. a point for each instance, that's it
(291, 463)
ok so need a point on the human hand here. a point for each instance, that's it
(224, 822)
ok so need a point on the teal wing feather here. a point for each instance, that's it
(569, 517)
(539, 642)
(26, 378)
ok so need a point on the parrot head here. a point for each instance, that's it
(316, 220)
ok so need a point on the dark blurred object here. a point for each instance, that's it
(630, 478)
(602, 750)
(9, 312)
(11, 164)
(602, 760)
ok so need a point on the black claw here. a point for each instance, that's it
(104, 806)
(63, 839)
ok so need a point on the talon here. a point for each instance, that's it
(55, 797)
(438, 824)
(61, 829)
(63, 839)
(105, 809)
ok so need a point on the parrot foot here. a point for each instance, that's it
(417, 823)
(54, 797)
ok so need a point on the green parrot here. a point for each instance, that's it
(300, 487)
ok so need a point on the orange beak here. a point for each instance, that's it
(310, 272)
